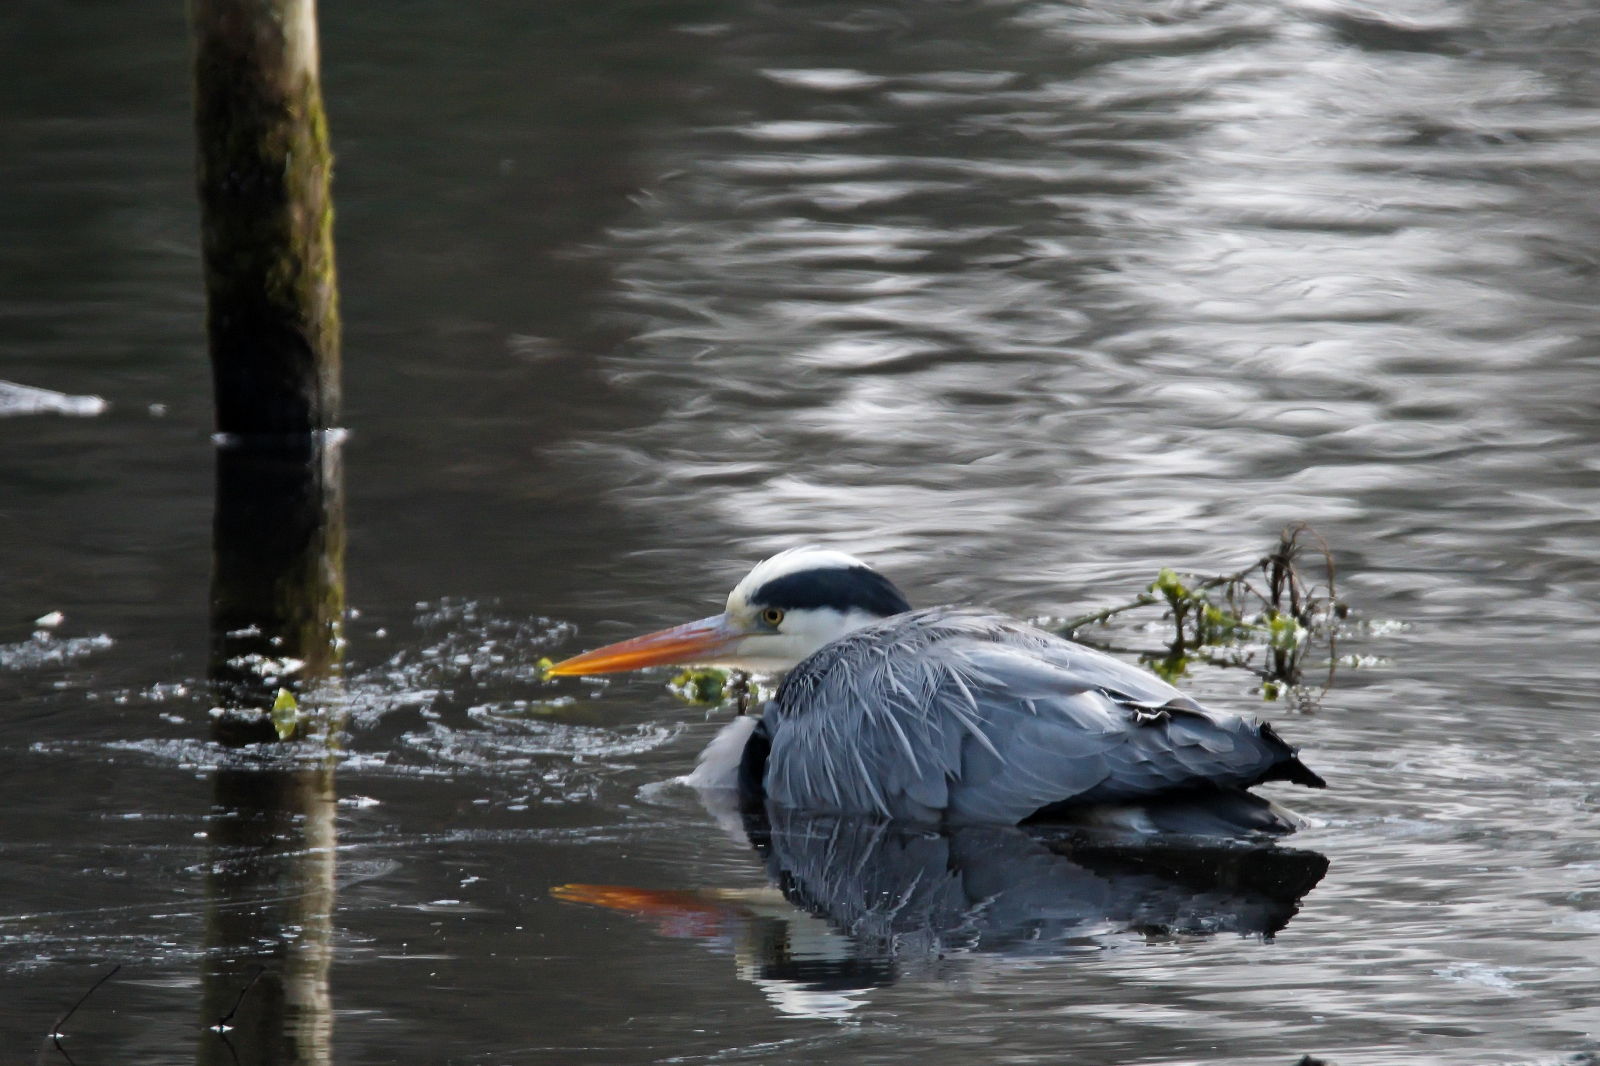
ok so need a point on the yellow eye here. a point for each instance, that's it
(772, 616)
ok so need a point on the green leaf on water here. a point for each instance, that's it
(700, 685)
(285, 714)
(1169, 668)
(1216, 625)
(1169, 585)
(1284, 631)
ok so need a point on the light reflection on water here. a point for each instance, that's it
(1023, 300)
(1190, 296)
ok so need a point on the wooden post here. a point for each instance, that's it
(266, 216)
(272, 321)
(277, 585)
(277, 579)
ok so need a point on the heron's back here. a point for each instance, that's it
(965, 715)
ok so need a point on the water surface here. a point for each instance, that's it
(1020, 300)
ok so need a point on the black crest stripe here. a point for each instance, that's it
(842, 588)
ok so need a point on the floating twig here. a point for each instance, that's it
(1144, 600)
(1284, 616)
(739, 688)
(222, 1026)
(222, 1022)
(55, 1030)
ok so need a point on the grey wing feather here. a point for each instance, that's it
(970, 717)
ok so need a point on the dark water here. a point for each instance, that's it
(1021, 300)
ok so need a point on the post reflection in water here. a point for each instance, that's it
(277, 601)
(856, 903)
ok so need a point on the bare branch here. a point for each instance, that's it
(55, 1030)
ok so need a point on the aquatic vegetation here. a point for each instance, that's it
(1264, 618)
(715, 685)
(701, 684)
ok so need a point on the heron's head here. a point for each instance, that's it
(786, 608)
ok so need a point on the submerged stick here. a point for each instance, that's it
(222, 1022)
(55, 1030)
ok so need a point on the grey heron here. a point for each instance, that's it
(948, 714)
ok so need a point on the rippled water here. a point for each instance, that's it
(1022, 300)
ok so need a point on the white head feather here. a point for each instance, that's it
(773, 648)
(790, 561)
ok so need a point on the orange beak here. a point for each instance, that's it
(704, 641)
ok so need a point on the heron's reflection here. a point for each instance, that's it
(856, 903)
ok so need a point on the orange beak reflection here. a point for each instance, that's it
(674, 913)
(705, 641)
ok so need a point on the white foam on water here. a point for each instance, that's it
(464, 645)
(26, 400)
(44, 649)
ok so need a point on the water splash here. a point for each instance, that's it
(465, 646)
(44, 649)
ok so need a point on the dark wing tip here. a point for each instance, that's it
(1289, 767)
(1295, 772)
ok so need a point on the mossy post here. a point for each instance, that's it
(272, 322)
(266, 216)
(277, 584)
